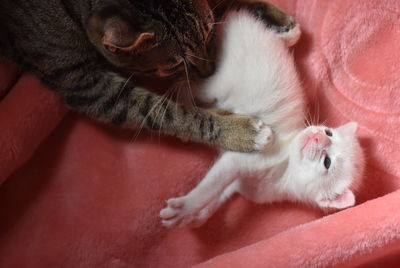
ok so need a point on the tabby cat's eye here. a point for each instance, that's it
(328, 132)
(327, 162)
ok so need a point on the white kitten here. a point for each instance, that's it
(257, 76)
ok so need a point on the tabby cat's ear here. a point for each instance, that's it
(120, 35)
(115, 33)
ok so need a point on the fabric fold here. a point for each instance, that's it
(28, 114)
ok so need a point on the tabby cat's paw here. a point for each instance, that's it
(245, 134)
(265, 136)
(240, 133)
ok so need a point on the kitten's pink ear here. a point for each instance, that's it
(348, 129)
(344, 200)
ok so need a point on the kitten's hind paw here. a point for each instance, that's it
(177, 213)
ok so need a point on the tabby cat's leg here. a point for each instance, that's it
(107, 97)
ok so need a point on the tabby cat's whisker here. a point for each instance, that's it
(133, 140)
(217, 4)
(197, 57)
(214, 23)
(178, 90)
(167, 96)
(189, 85)
(124, 86)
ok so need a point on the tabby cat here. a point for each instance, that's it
(86, 50)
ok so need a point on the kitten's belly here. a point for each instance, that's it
(257, 188)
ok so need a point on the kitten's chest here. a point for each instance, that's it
(262, 186)
(262, 174)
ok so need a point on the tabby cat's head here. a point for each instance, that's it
(155, 37)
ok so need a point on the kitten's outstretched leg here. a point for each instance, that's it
(213, 206)
(183, 210)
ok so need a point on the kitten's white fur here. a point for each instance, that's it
(257, 76)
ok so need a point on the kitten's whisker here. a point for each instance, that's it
(324, 123)
(308, 118)
(314, 115)
(306, 123)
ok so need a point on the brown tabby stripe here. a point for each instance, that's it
(54, 40)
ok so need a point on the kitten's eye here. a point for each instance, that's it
(327, 162)
(328, 132)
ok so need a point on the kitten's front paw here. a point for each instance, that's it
(292, 36)
(177, 213)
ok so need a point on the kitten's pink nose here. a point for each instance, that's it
(320, 138)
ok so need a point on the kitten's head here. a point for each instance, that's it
(154, 37)
(327, 165)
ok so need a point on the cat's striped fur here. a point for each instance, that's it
(64, 43)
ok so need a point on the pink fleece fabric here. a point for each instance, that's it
(81, 194)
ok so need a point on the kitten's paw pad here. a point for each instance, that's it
(177, 213)
(176, 202)
(168, 223)
(168, 213)
(170, 217)
(264, 138)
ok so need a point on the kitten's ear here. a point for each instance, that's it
(344, 200)
(119, 34)
(348, 129)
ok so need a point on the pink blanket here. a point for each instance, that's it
(81, 194)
